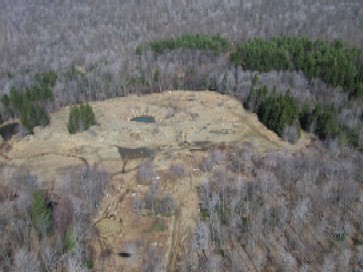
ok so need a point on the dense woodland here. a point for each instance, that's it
(296, 64)
(44, 231)
(278, 212)
(140, 48)
(281, 111)
(30, 103)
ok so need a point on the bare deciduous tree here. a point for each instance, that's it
(26, 261)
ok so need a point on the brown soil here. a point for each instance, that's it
(187, 124)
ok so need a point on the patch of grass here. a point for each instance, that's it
(69, 241)
(159, 225)
(244, 222)
(89, 264)
(340, 237)
(204, 215)
(357, 242)
(332, 244)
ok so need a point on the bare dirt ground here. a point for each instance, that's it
(187, 124)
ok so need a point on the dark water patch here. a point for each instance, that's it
(135, 153)
(144, 119)
(124, 254)
(8, 131)
(202, 145)
(222, 131)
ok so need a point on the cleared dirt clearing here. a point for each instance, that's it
(186, 125)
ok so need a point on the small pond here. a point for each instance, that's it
(9, 130)
(144, 119)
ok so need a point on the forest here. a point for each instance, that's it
(332, 63)
(270, 210)
(297, 65)
(30, 220)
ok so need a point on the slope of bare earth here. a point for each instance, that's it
(186, 125)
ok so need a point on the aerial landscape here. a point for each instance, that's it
(181, 135)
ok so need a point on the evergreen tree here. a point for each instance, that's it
(331, 62)
(32, 115)
(215, 43)
(29, 103)
(73, 120)
(327, 126)
(276, 112)
(41, 214)
(306, 116)
(80, 118)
